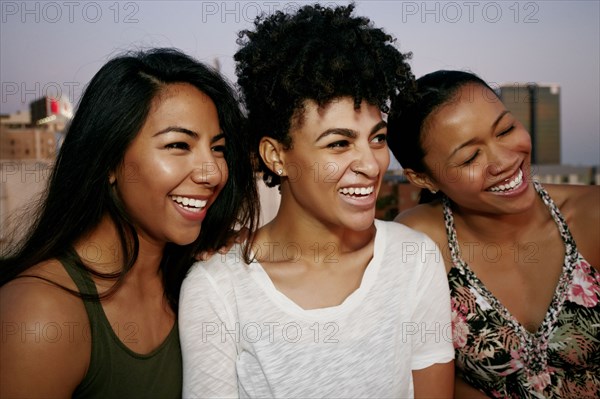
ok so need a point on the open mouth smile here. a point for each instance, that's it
(356, 191)
(509, 185)
(189, 204)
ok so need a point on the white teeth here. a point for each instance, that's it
(357, 190)
(189, 202)
(510, 185)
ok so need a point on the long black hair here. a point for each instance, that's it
(408, 118)
(110, 114)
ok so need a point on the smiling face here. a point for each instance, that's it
(336, 163)
(175, 168)
(478, 154)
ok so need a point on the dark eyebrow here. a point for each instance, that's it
(461, 146)
(343, 132)
(378, 127)
(190, 133)
(217, 137)
(499, 118)
(469, 142)
(177, 129)
(349, 132)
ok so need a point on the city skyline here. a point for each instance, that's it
(51, 47)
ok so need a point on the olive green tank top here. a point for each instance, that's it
(115, 371)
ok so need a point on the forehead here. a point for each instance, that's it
(178, 93)
(472, 109)
(337, 113)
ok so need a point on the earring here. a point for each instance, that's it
(112, 179)
(433, 191)
(280, 172)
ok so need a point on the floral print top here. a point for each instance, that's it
(497, 355)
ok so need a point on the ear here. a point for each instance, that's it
(420, 180)
(272, 153)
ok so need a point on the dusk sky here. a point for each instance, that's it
(50, 47)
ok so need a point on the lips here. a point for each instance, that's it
(508, 185)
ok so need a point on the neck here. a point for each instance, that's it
(101, 250)
(501, 228)
(294, 234)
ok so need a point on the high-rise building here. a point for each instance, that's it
(537, 107)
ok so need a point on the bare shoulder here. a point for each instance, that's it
(580, 206)
(573, 197)
(40, 285)
(43, 336)
(427, 218)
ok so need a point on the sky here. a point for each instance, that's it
(55, 47)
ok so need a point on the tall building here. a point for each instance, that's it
(538, 108)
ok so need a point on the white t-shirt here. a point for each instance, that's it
(241, 337)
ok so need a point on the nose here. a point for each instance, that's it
(207, 173)
(500, 161)
(368, 161)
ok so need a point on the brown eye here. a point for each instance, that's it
(338, 144)
(380, 138)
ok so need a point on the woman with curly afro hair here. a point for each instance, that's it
(331, 302)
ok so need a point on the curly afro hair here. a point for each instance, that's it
(317, 54)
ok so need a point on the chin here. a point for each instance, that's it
(361, 223)
(187, 239)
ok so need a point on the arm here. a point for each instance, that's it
(435, 381)
(585, 206)
(433, 350)
(580, 206)
(462, 390)
(44, 351)
(209, 352)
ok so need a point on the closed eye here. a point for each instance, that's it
(471, 159)
(506, 131)
(219, 148)
(179, 145)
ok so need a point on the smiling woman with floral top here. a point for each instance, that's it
(525, 298)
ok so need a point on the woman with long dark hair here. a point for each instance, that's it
(152, 170)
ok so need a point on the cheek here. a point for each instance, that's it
(222, 165)
(521, 137)
(460, 178)
(326, 172)
(383, 159)
(475, 172)
(525, 141)
(147, 165)
(305, 171)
